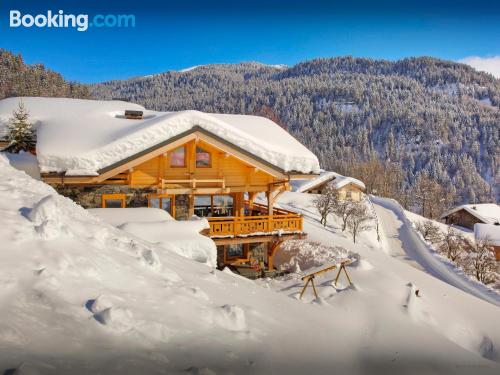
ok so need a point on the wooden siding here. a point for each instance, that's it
(236, 173)
(463, 219)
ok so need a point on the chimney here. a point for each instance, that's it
(133, 115)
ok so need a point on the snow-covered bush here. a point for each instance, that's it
(299, 255)
(480, 261)
(429, 231)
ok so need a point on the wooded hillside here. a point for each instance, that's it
(422, 116)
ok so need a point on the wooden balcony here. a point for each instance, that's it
(281, 222)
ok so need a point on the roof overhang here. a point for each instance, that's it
(195, 133)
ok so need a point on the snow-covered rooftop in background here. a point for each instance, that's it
(488, 213)
(80, 137)
(338, 181)
(488, 232)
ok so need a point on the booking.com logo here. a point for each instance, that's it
(78, 21)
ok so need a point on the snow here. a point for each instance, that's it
(489, 213)
(339, 181)
(487, 232)
(120, 216)
(404, 243)
(190, 68)
(24, 161)
(94, 299)
(158, 227)
(80, 137)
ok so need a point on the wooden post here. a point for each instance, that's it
(239, 204)
(342, 267)
(272, 249)
(251, 198)
(311, 280)
(270, 202)
(191, 205)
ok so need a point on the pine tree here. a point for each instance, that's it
(21, 134)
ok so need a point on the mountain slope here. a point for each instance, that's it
(424, 114)
(20, 79)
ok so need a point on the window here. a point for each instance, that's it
(213, 206)
(348, 194)
(178, 157)
(113, 200)
(202, 205)
(164, 202)
(235, 251)
(222, 205)
(202, 158)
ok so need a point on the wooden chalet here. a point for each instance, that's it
(200, 173)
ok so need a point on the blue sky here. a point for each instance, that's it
(178, 34)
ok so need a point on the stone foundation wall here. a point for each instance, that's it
(90, 196)
(182, 207)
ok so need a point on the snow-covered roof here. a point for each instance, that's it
(341, 181)
(338, 181)
(488, 213)
(81, 137)
(488, 232)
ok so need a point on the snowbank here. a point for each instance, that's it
(181, 237)
(157, 226)
(488, 232)
(96, 299)
(81, 137)
(24, 161)
(120, 216)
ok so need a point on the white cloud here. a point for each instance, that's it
(484, 64)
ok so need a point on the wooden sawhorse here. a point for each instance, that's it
(310, 277)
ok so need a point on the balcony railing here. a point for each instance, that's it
(240, 226)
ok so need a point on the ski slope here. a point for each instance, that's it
(402, 242)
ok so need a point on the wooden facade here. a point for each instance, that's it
(462, 218)
(198, 174)
(347, 192)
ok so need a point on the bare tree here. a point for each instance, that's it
(453, 245)
(430, 231)
(359, 219)
(325, 203)
(480, 261)
(343, 209)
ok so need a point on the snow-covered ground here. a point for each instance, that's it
(404, 243)
(80, 296)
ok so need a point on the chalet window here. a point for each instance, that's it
(222, 205)
(235, 251)
(202, 205)
(164, 202)
(348, 194)
(178, 158)
(203, 158)
(113, 201)
(213, 205)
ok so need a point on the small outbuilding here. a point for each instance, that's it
(469, 214)
(348, 187)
